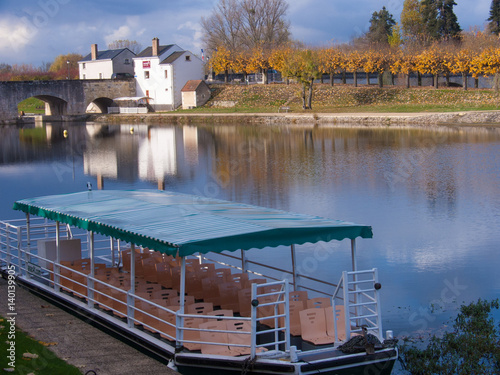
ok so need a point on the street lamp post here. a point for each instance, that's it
(67, 63)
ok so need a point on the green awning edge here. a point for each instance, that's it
(267, 238)
(92, 226)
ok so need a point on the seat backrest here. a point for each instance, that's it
(199, 308)
(209, 335)
(319, 302)
(340, 316)
(298, 295)
(312, 323)
(239, 338)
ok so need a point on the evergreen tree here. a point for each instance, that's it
(430, 13)
(448, 22)
(494, 19)
(381, 25)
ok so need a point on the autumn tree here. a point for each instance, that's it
(463, 64)
(396, 38)
(489, 63)
(376, 61)
(412, 21)
(431, 61)
(381, 25)
(258, 61)
(279, 59)
(403, 62)
(302, 64)
(221, 62)
(330, 61)
(63, 62)
(125, 43)
(354, 63)
(494, 18)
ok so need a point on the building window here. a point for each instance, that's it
(166, 74)
(146, 74)
(127, 62)
(100, 75)
(84, 76)
(83, 66)
(188, 58)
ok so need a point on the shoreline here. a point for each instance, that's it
(472, 118)
(414, 119)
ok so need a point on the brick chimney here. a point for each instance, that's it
(156, 46)
(93, 51)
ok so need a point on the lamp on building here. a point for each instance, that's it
(67, 63)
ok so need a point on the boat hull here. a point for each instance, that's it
(380, 363)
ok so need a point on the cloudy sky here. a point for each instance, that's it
(36, 31)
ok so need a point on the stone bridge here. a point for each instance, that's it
(64, 97)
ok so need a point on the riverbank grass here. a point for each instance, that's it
(31, 356)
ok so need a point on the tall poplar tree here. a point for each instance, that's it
(494, 19)
(412, 22)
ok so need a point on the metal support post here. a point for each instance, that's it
(90, 277)
(131, 292)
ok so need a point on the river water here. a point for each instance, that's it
(432, 196)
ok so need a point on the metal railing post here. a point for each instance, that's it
(56, 263)
(287, 316)
(294, 270)
(8, 257)
(20, 252)
(347, 304)
(253, 315)
(90, 278)
(28, 244)
(130, 298)
(379, 309)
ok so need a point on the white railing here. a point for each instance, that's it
(274, 330)
(127, 110)
(359, 293)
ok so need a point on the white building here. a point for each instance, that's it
(162, 71)
(103, 64)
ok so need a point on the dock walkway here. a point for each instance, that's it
(78, 342)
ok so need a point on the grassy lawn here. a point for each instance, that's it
(32, 105)
(31, 356)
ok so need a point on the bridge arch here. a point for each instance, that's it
(54, 106)
(100, 105)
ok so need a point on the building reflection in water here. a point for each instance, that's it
(148, 153)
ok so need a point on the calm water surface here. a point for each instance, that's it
(432, 196)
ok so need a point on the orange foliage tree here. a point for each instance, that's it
(331, 61)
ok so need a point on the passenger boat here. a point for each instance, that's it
(171, 273)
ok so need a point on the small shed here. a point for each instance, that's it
(195, 93)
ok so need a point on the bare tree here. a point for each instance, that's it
(125, 43)
(246, 24)
(222, 27)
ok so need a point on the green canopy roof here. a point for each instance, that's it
(174, 223)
